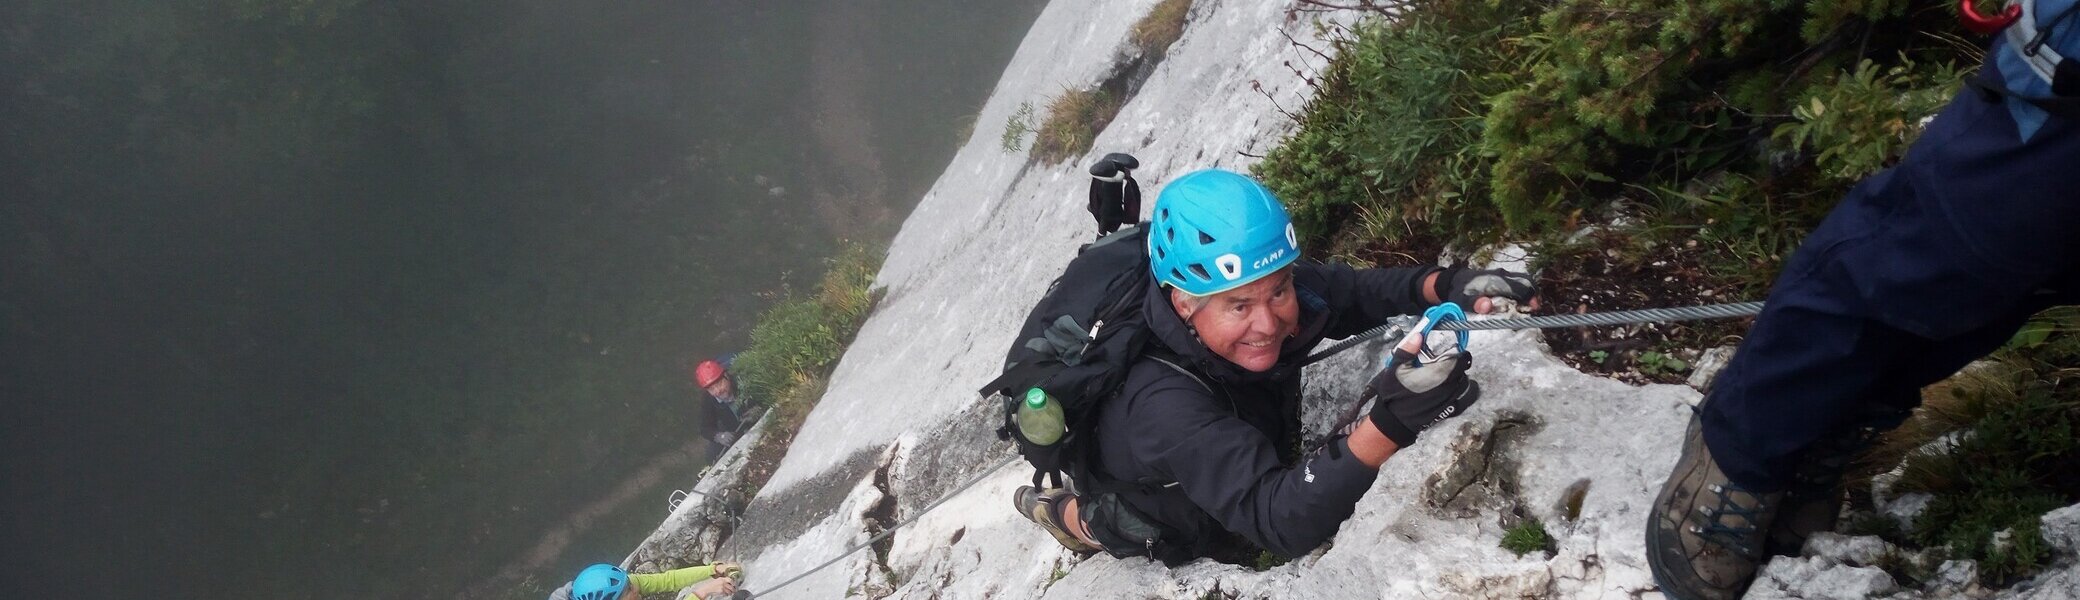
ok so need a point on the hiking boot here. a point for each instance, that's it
(1814, 501)
(1044, 507)
(1705, 532)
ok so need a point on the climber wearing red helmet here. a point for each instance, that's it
(731, 412)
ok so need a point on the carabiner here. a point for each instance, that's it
(1983, 25)
(1420, 332)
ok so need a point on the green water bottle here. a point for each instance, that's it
(1040, 418)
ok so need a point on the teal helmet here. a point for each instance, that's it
(599, 582)
(1216, 230)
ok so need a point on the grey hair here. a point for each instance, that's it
(1197, 303)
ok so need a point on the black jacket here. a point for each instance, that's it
(1198, 461)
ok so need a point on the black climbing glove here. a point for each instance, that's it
(1411, 397)
(1108, 168)
(1463, 286)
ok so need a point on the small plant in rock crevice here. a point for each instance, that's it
(1656, 363)
(1016, 127)
(1527, 536)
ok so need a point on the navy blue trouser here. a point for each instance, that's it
(1921, 269)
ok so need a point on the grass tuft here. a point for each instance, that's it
(1160, 28)
(1073, 122)
(1526, 537)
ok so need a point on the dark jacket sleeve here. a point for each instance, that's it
(1360, 299)
(1230, 470)
(1132, 212)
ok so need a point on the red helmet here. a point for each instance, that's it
(706, 373)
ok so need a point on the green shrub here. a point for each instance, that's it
(1460, 123)
(1864, 120)
(2000, 476)
(1392, 133)
(1073, 122)
(1640, 91)
(795, 342)
(2010, 442)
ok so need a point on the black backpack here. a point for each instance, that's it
(1077, 344)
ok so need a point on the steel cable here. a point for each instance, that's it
(1622, 317)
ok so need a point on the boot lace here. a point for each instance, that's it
(1733, 501)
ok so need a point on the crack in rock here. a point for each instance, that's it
(880, 517)
(1482, 475)
(777, 515)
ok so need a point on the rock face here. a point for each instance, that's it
(695, 529)
(902, 428)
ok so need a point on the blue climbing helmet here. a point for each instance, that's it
(1216, 230)
(599, 582)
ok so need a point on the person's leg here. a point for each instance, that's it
(1916, 272)
(1920, 270)
(1814, 495)
(1813, 355)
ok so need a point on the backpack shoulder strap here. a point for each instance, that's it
(1176, 363)
(1170, 361)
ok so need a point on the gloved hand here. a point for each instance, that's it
(715, 589)
(1411, 397)
(1467, 286)
(729, 569)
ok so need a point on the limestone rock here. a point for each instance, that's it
(1819, 578)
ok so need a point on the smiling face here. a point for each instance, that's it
(1245, 325)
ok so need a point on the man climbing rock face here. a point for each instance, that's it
(730, 413)
(1201, 445)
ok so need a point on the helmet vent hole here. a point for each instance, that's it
(1201, 272)
(1205, 239)
(1176, 275)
